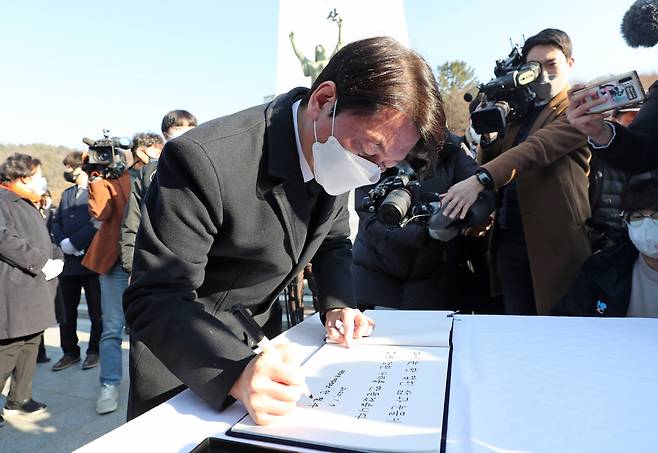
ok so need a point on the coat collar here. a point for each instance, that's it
(280, 176)
(555, 107)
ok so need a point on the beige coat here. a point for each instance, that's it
(551, 168)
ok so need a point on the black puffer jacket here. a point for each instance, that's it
(603, 287)
(26, 298)
(409, 253)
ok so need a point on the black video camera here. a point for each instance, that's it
(104, 158)
(508, 96)
(399, 200)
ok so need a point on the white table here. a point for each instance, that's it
(519, 384)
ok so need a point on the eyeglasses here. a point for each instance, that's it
(637, 216)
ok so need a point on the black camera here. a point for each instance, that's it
(399, 200)
(104, 157)
(508, 96)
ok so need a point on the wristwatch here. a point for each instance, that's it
(485, 179)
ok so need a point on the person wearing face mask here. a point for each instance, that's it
(174, 124)
(242, 203)
(73, 229)
(539, 166)
(28, 277)
(147, 148)
(622, 280)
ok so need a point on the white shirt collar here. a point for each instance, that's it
(307, 174)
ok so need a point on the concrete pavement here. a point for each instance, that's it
(70, 420)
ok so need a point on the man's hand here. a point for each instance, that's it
(590, 124)
(459, 198)
(270, 384)
(345, 324)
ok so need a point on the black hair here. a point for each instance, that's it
(380, 72)
(549, 37)
(178, 118)
(640, 195)
(146, 139)
(18, 166)
(73, 159)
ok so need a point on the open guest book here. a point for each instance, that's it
(384, 394)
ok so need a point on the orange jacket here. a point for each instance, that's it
(107, 202)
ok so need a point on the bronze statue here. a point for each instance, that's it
(313, 69)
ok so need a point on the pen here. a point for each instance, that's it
(256, 334)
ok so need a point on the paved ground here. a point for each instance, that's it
(71, 419)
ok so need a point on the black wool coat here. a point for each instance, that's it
(26, 298)
(227, 220)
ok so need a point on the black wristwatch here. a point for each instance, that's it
(485, 179)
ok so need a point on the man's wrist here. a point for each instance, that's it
(484, 177)
(604, 139)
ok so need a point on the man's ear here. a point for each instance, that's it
(322, 99)
(571, 62)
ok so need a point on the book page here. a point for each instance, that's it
(409, 328)
(366, 398)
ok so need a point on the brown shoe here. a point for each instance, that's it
(91, 361)
(65, 362)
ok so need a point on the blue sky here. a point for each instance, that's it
(72, 68)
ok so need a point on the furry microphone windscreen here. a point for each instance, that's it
(640, 24)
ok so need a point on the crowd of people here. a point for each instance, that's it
(50, 256)
(237, 207)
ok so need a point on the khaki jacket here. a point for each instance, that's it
(551, 168)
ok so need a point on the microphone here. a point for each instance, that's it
(88, 141)
(639, 27)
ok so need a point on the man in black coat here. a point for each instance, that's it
(241, 204)
(73, 229)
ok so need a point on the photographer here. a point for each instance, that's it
(28, 271)
(540, 167)
(632, 149)
(407, 268)
(109, 187)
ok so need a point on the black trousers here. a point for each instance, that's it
(514, 272)
(18, 359)
(71, 286)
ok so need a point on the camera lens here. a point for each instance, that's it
(394, 207)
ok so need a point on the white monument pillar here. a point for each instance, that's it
(308, 20)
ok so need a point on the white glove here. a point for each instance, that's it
(52, 268)
(68, 248)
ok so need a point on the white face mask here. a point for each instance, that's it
(38, 185)
(547, 86)
(336, 169)
(644, 235)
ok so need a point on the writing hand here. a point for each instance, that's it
(345, 324)
(270, 384)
